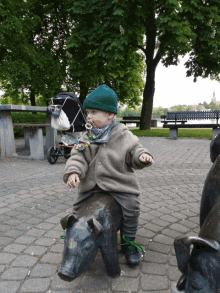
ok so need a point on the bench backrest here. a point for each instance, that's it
(192, 115)
(131, 117)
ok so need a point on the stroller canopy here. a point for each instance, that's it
(70, 104)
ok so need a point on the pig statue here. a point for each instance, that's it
(93, 227)
(201, 267)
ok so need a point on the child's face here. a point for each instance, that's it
(99, 118)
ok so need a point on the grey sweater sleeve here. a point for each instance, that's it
(76, 164)
(132, 157)
(135, 153)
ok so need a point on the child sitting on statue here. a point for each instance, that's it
(104, 161)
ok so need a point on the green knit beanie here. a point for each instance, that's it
(102, 98)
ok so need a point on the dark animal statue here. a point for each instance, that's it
(94, 227)
(201, 267)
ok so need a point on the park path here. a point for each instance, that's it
(33, 198)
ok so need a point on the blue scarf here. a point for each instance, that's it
(102, 134)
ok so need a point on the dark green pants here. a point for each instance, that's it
(129, 203)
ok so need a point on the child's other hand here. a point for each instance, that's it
(73, 179)
(145, 158)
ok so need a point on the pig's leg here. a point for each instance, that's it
(110, 252)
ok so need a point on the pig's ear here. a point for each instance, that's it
(68, 220)
(182, 249)
(94, 224)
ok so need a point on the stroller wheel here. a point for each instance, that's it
(50, 155)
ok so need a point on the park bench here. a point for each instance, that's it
(136, 119)
(32, 132)
(180, 118)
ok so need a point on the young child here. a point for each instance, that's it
(105, 162)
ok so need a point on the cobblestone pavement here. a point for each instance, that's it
(33, 198)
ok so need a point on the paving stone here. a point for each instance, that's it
(44, 215)
(34, 221)
(127, 271)
(36, 250)
(155, 257)
(43, 270)
(53, 258)
(159, 247)
(35, 232)
(57, 248)
(5, 227)
(23, 216)
(6, 257)
(45, 241)
(124, 284)
(179, 228)
(171, 233)
(2, 267)
(53, 234)
(4, 210)
(36, 285)
(53, 220)
(163, 239)
(4, 218)
(14, 233)
(145, 233)
(58, 284)
(24, 226)
(45, 226)
(153, 282)
(174, 274)
(3, 204)
(25, 240)
(14, 248)
(15, 274)
(14, 222)
(24, 261)
(5, 240)
(9, 286)
(22, 209)
(153, 268)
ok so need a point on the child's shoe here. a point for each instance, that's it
(133, 251)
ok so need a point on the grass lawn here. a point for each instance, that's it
(163, 132)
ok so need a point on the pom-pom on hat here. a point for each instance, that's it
(102, 98)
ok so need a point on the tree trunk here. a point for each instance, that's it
(32, 98)
(83, 92)
(148, 97)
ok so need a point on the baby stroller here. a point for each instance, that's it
(67, 115)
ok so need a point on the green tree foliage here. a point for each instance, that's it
(213, 106)
(89, 68)
(160, 111)
(205, 104)
(35, 60)
(171, 28)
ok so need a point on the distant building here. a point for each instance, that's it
(214, 100)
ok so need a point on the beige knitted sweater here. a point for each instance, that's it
(110, 165)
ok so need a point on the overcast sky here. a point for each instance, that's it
(172, 87)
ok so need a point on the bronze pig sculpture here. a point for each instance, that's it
(94, 227)
(201, 268)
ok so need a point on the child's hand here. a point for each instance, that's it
(73, 179)
(145, 158)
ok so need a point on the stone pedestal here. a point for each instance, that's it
(173, 133)
(51, 133)
(36, 143)
(153, 122)
(7, 135)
